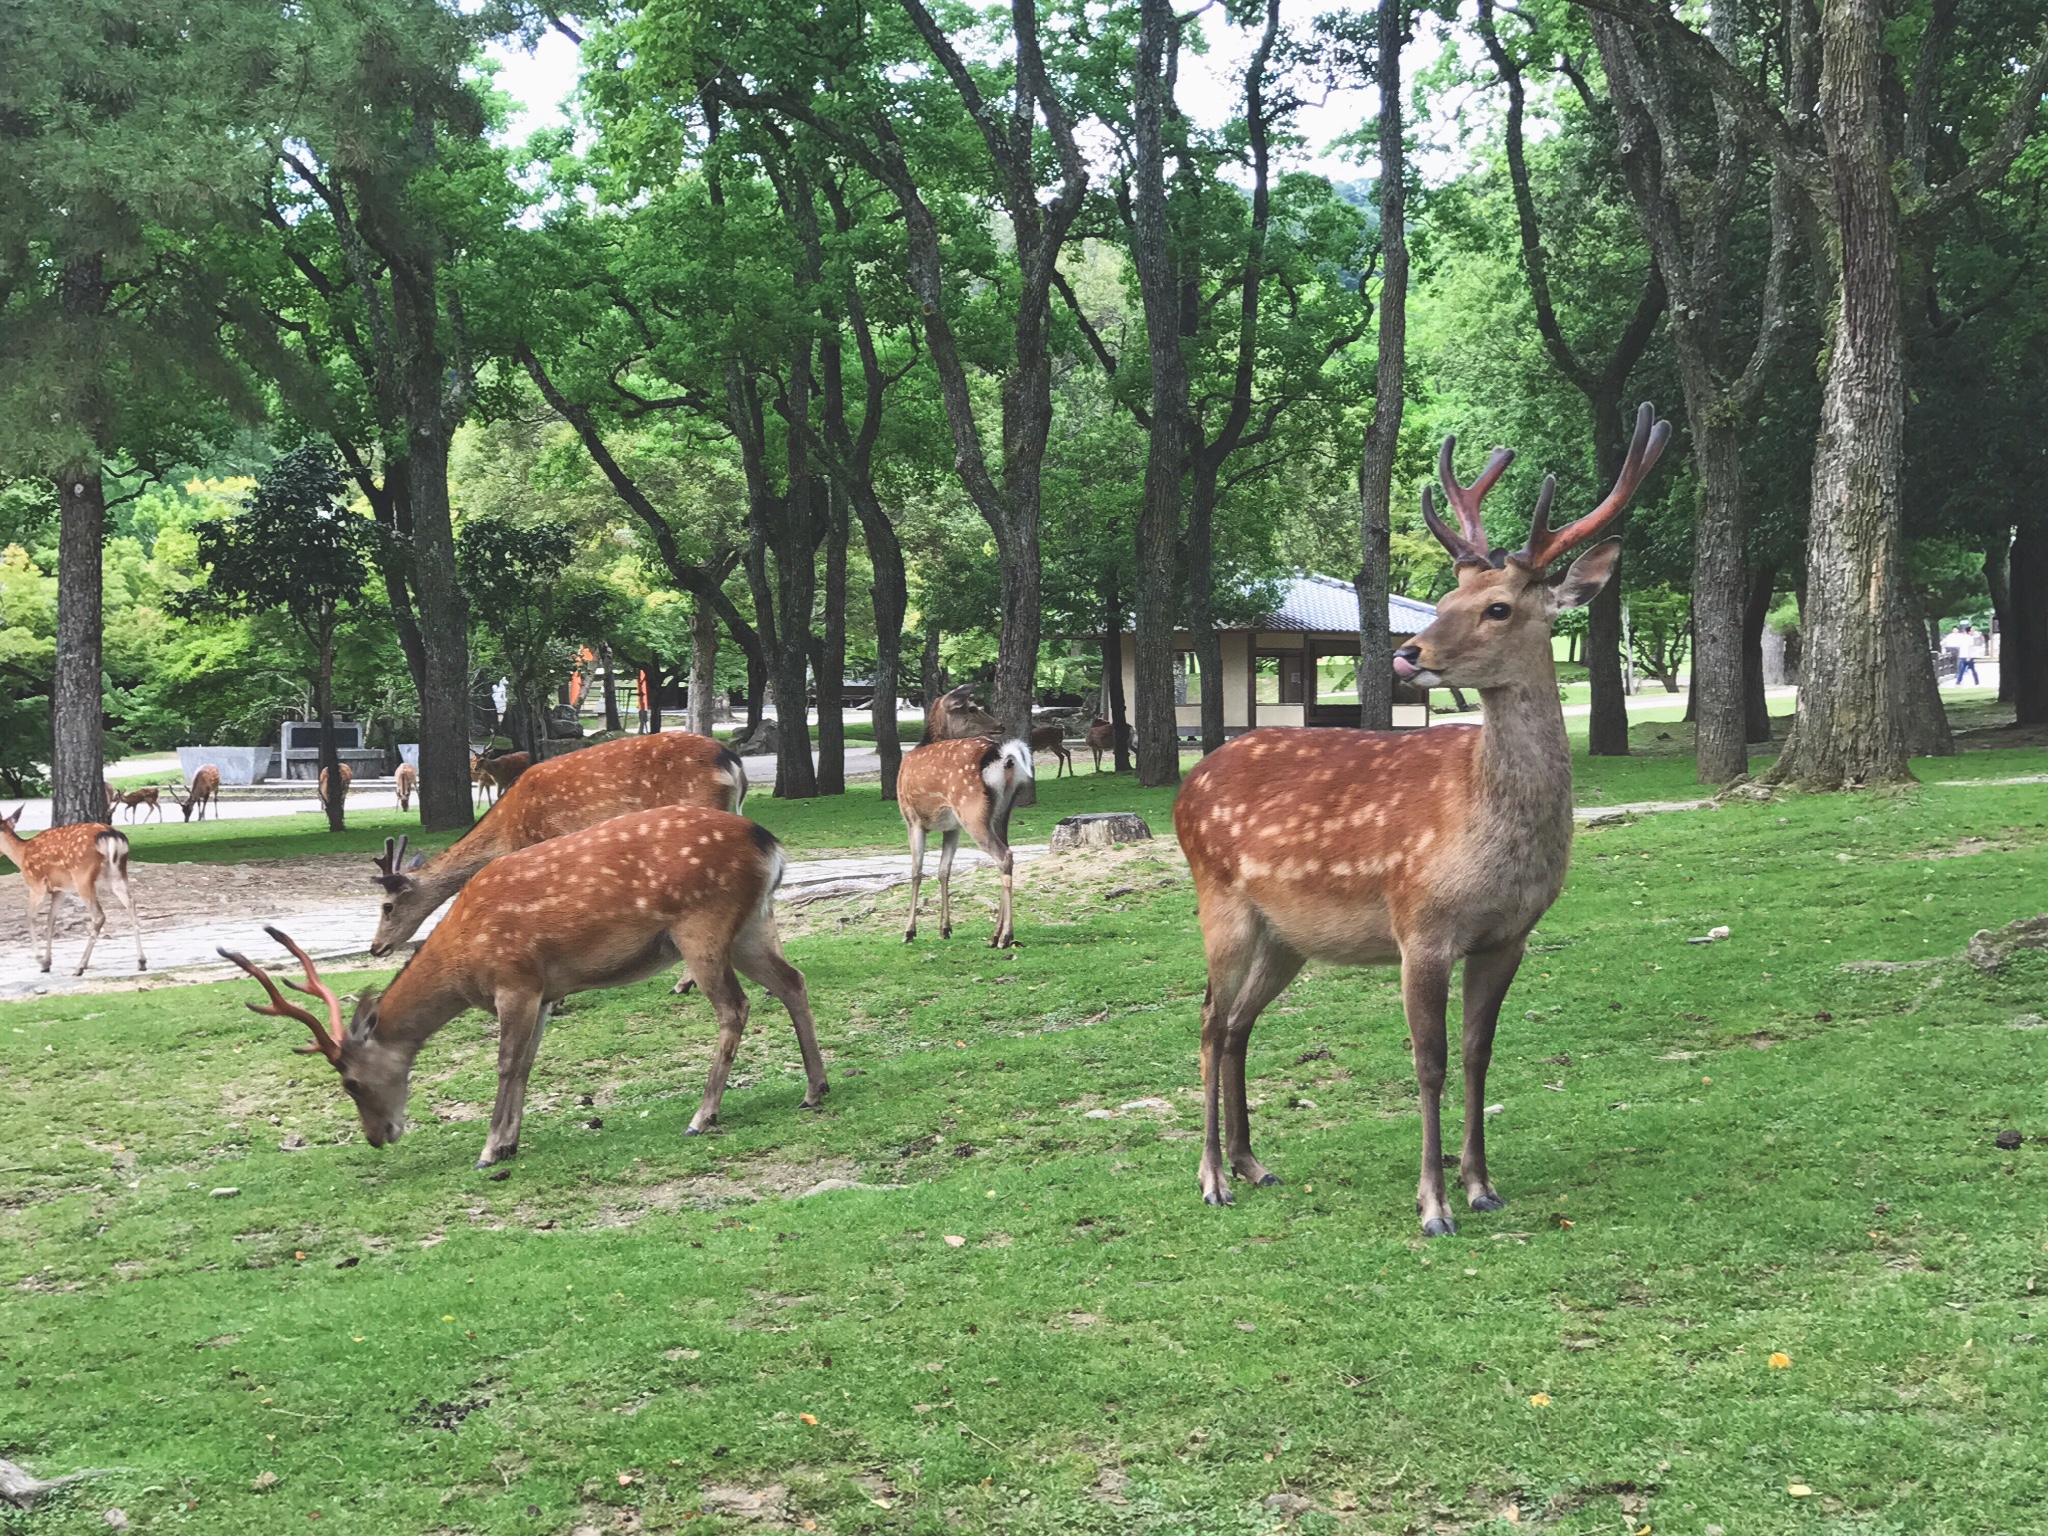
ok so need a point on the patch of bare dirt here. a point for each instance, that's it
(743, 1183)
(169, 895)
(1968, 847)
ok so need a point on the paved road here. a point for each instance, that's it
(185, 952)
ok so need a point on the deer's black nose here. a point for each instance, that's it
(1410, 654)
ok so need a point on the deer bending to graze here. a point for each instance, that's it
(205, 791)
(953, 786)
(604, 907)
(564, 794)
(954, 716)
(348, 777)
(1102, 737)
(1053, 739)
(1422, 849)
(406, 780)
(73, 859)
(136, 799)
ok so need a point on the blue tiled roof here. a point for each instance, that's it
(1324, 603)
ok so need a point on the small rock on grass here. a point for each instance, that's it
(2009, 1141)
(225, 1192)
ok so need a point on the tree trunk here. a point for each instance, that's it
(1756, 611)
(2023, 650)
(612, 723)
(1607, 718)
(1202, 600)
(77, 757)
(830, 665)
(329, 771)
(1998, 583)
(1857, 677)
(1158, 529)
(1383, 433)
(1113, 676)
(931, 675)
(1017, 646)
(445, 802)
(654, 695)
(703, 707)
(891, 599)
(1721, 730)
(796, 775)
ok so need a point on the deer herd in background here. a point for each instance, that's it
(607, 866)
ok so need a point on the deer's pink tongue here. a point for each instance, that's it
(1404, 668)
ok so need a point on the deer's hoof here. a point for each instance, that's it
(1486, 1200)
(1439, 1226)
(1267, 1179)
(1217, 1197)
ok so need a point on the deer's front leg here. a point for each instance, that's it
(1487, 978)
(1425, 992)
(522, 1020)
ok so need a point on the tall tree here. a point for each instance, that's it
(1383, 432)
(115, 158)
(1865, 680)
(1602, 379)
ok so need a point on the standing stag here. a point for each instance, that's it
(604, 907)
(1053, 739)
(73, 859)
(205, 791)
(564, 794)
(405, 781)
(954, 716)
(498, 773)
(1422, 849)
(953, 786)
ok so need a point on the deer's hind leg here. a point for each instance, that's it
(117, 882)
(1273, 966)
(991, 835)
(712, 966)
(949, 845)
(96, 920)
(522, 1020)
(917, 837)
(758, 956)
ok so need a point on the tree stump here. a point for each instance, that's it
(1102, 830)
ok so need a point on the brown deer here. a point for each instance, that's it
(205, 791)
(1418, 848)
(953, 786)
(1102, 737)
(956, 717)
(405, 781)
(1051, 738)
(564, 794)
(498, 774)
(137, 799)
(73, 859)
(479, 780)
(348, 777)
(604, 907)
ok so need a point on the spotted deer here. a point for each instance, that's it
(138, 799)
(74, 859)
(953, 786)
(204, 792)
(405, 781)
(1053, 739)
(605, 907)
(1419, 849)
(956, 717)
(562, 795)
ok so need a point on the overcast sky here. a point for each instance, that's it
(1210, 87)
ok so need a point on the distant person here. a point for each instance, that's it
(1967, 645)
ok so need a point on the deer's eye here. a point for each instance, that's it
(1498, 611)
(387, 906)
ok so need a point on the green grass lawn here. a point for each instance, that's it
(1711, 1154)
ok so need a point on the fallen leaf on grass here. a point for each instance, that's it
(1799, 1490)
(1539, 1399)
(955, 1242)
(808, 1418)
(1780, 1361)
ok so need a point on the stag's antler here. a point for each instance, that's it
(327, 1040)
(1644, 450)
(391, 867)
(1470, 544)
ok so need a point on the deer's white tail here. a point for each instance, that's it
(1005, 770)
(735, 773)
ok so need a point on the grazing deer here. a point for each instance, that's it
(113, 795)
(406, 780)
(205, 791)
(73, 859)
(1422, 849)
(604, 907)
(953, 786)
(564, 794)
(348, 777)
(956, 717)
(1053, 739)
(136, 799)
(1102, 737)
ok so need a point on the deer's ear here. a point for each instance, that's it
(1589, 573)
